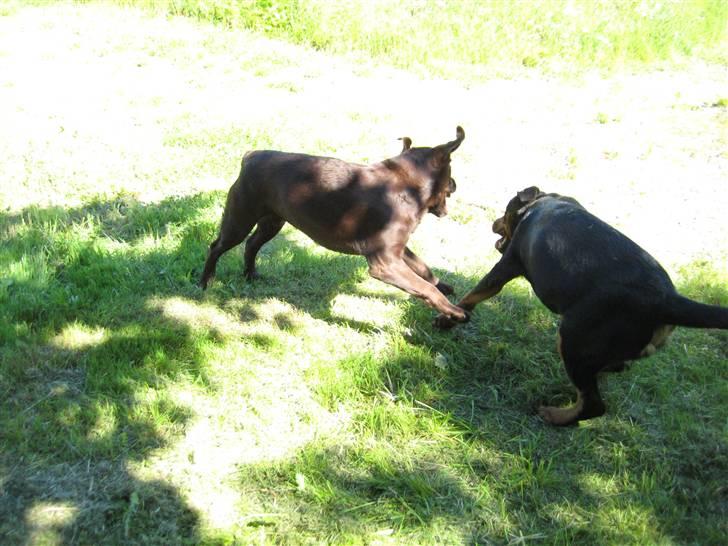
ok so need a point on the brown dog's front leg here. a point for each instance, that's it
(393, 270)
(416, 264)
(503, 272)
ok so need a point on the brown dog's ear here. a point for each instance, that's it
(454, 144)
(529, 194)
(406, 143)
(443, 151)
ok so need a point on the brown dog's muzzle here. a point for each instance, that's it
(439, 210)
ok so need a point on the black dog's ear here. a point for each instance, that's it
(529, 194)
(406, 143)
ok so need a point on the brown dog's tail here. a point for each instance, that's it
(682, 311)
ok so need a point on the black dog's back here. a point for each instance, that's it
(569, 254)
(616, 302)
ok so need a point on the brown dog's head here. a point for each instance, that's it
(443, 184)
(517, 207)
(434, 164)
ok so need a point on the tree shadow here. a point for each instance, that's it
(85, 358)
(86, 355)
(504, 364)
(87, 351)
(486, 380)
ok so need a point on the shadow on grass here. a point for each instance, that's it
(632, 475)
(85, 360)
(450, 444)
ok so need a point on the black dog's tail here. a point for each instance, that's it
(682, 311)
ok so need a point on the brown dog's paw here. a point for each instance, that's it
(445, 288)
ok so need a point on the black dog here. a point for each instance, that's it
(617, 303)
(369, 210)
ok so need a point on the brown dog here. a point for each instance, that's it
(369, 210)
(616, 302)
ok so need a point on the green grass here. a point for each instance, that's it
(316, 405)
(464, 39)
(103, 330)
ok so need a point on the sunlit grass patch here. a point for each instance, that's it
(45, 518)
(462, 38)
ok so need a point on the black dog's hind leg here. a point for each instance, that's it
(591, 340)
(268, 227)
(589, 403)
(580, 346)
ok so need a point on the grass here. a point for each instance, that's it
(464, 39)
(111, 358)
(318, 405)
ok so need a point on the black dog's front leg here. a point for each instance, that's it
(503, 272)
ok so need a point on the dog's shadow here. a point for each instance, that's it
(293, 269)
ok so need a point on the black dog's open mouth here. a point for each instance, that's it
(499, 228)
(501, 243)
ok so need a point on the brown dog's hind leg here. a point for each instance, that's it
(232, 233)
(268, 227)
(416, 264)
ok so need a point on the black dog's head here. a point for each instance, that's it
(506, 225)
(437, 162)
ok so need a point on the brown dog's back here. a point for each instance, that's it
(370, 210)
(338, 204)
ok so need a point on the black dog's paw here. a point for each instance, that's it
(253, 276)
(445, 288)
(443, 322)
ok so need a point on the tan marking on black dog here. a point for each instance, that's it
(562, 416)
(659, 338)
(612, 295)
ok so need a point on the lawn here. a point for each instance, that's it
(317, 405)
